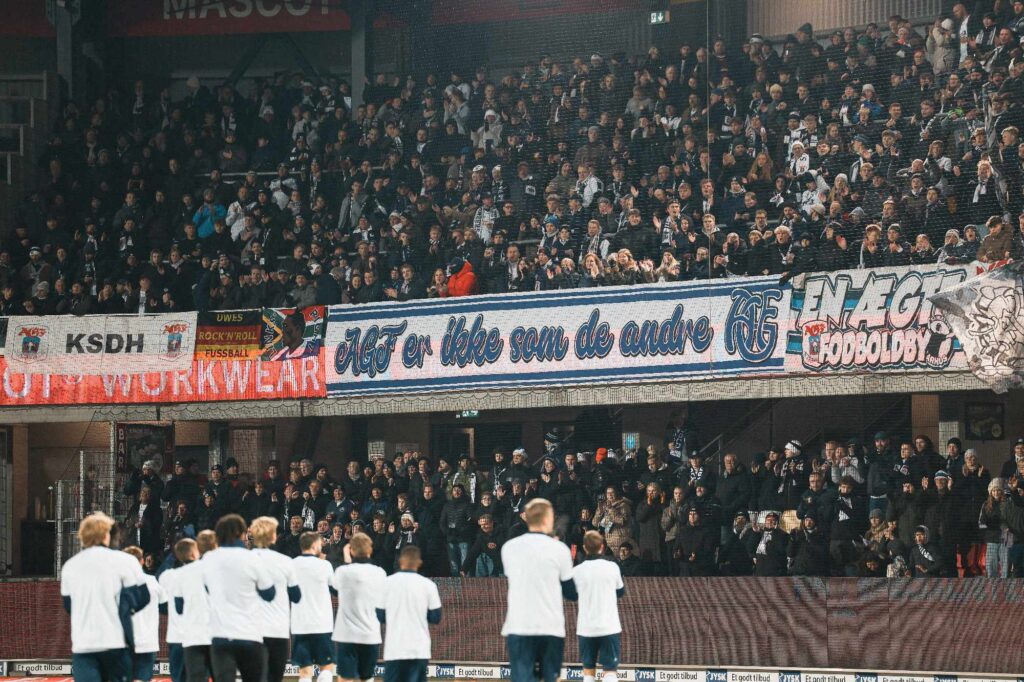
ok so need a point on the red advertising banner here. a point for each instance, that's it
(24, 20)
(207, 381)
(130, 18)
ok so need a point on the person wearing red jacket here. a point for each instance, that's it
(462, 281)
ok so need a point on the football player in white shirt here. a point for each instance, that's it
(539, 572)
(146, 624)
(183, 550)
(101, 588)
(192, 603)
(599, 586)
(409, 604)
(274, 616)
(236, 581)
(312, 613)
(357, 630)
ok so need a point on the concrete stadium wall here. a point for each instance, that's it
(926, 624)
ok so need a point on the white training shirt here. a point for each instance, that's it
(232, 576)
(274, 616)
(146, 623)
(406, 598)
(359, 586)
(188, 586)
(167, 584)
(313, 614)
(93, 579)
(597, 582)
(536, 565)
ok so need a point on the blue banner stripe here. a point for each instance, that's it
(539, 299)
(497, 306)
(512, 379)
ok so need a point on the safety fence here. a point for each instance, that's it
(788, 623)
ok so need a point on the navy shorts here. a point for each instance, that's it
(102, 666)
(142, 666)
(310, 650)
(406, 670)
(604, 650)
(357, 661)
(535, 657)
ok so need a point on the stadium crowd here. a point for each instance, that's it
(855, 509)
(897, 145)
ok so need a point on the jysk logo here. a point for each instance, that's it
(865, 677)
(444, 671)
(3, 668)
(717, 676)
(945, 678)
(791, 676)
(644, 674)
(505, 672)
(574, 673)
(378, 671)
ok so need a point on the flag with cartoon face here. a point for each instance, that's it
(987, 315)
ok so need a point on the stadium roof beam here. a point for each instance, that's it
(526, 398)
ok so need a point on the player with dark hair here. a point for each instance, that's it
(312, 614)
(408, 604)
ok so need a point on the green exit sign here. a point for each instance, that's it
(661, 17)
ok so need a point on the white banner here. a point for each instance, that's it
(100, 344)
(987, 315)
(692, 330)
(877, 320)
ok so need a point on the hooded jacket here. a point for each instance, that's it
(925, 559)
(463, 282)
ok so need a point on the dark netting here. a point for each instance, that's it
(850, 624)
(858, 620)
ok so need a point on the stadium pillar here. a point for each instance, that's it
(360, 47)
(19, 486)
(65, 16)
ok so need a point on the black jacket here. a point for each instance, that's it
(489, 545)
(808, 553)
(768, 549)
(457, 520)
(733, 492)
(695, 549)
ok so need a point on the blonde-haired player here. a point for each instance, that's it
(146, 624)
(599, 586)
(274, 616)
(356, 629)
(539, 572)
(101, 589)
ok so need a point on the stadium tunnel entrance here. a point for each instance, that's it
(64, 467)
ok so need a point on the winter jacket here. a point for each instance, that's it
(615, 519)
(990, 523)
(971, 491)
(768, 549)
(808, 553)
(650, 542)
(848, 518)
(463, 282)
(926, 561)
(908, 513)
(733, 492)
(695, 549)
(942, 516)
(457, 520)
(487, 545)
(734, 557)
